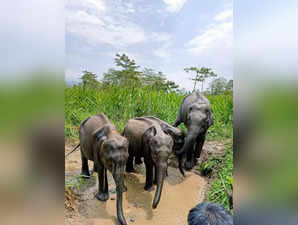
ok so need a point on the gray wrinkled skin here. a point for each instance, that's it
(177, 134)
(195, 112)
(147, 139)
(100, 142)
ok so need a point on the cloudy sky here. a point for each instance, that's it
(166, 35)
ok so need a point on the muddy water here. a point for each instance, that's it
(179, 195)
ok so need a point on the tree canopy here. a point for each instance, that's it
(221, 86)
(89, 80)
(201, 75)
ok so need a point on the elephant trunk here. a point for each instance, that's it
(161, 171)
(189, 141)
(118, 175)
(120, 215)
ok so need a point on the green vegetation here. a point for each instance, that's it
(127, 92)
(221, 169)
(220, 86)
(75, 182)
(122, 104)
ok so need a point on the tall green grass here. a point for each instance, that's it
(122, 104)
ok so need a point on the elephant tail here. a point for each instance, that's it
(73, 150)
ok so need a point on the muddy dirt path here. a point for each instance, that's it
(178, 197)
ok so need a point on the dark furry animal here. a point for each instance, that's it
(208, 213)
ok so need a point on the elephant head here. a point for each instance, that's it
(199, 119)
(160, 145)
(178, 137)
(113, 154)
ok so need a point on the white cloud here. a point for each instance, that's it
(164, 51)
(95, 31)
(97, 5)
(129, 7)
(81, 17)
(174, 5)
(218, 35)
(224, 15)
(161, 37)
(112, 25)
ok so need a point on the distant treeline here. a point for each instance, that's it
(130, 75)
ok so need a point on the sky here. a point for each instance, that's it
(165, 35)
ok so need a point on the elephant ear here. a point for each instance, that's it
(210, 119)
(149, 133)
(100, 135)
(168, 130)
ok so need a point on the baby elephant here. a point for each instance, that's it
(147, 139)
(177, 135)
(100, 142)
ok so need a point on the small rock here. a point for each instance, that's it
(135, 204)
(132, 218)
(112, 198)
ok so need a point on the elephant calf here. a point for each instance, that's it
(177, 135)
(100, 142)
(195, 112)
(147, 139)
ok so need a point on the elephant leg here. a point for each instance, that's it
(129, 164)
(85, 168)
(138, 160)
(149, 174)
(189, 162)
(95, 168)
(199, 145)
(103, 189)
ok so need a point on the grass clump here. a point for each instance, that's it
(220, 170)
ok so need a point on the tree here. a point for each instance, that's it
(172, 86)
(151, 78)
(218, 86)
(201, 75)
(229, 86)
(157, 80)
(128, 75)
(89, 80)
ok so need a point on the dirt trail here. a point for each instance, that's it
(178, 197)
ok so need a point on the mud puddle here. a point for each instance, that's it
(179, 195)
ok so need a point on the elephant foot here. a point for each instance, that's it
(149, 188)
(188, 165)
(102, 196)
(85, 174)
(130, 170)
